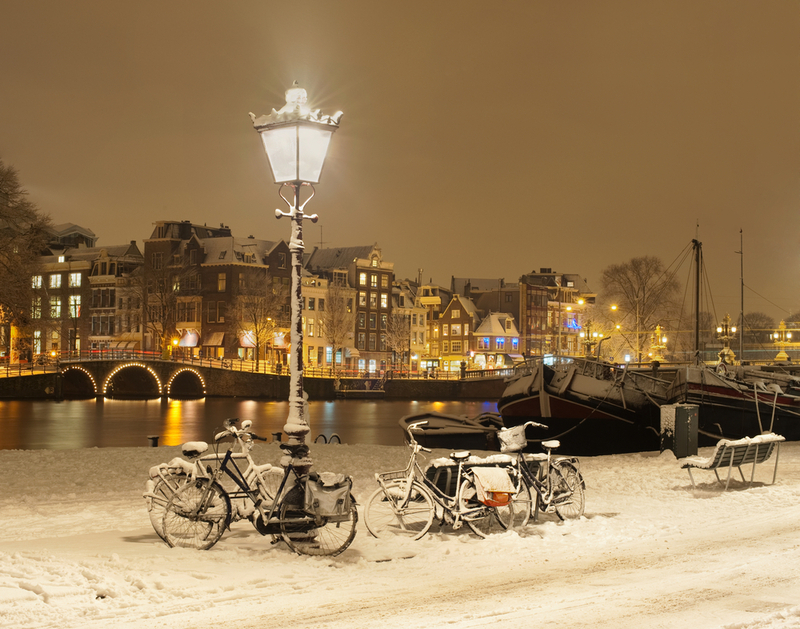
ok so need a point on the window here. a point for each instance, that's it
(55, 280)
(515, 344)
(384, 281)
(362, 299)
(372, 341)
(310, 327)
(413, 319)
(362, 279)
(222, 255)
(311, 303)
(484, 342)
(37, 342)
(373, 321)
(384, 300)
(445, 329)
(374, 261)
(384, 321)
(241, 281)
(281, 260)
(321, 304)
(222, 280)
(36, 308)
(509, 296)
(373, 300)
(455, 329)
(157, 260)
(36, 282)
(362, 340)
(373, 280)
(362, 319)
(455, 314)
(193, 256)
(500, 343)
(455, 346)
(55, 307)
(446, 347)
(74, 306)
(383, 343)
(74, 280)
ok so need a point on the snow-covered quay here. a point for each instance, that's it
(77, 551)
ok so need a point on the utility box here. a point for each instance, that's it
(679, 425)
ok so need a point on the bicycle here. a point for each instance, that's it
(315, 514)
(557, 481)
(407, 501)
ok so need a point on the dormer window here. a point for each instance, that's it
(222, 255)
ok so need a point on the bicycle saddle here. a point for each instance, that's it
(193, 449)
(551, 445)
(459, 456)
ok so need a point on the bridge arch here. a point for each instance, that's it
(186, 382)
(135, 386)
(77, 381)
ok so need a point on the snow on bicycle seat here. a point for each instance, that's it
(459, 456)
(194, 449)
(551, 445)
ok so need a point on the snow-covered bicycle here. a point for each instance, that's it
(315, 514)
(556, 481)
(407, 500)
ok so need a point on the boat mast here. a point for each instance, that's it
(741, 295)
(697, 254)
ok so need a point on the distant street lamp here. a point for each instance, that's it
(296, 142)
(726, 332)
(782, 337)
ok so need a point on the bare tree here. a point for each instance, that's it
(757, 327)
(398, 333)
(257, 309)
(645, 296)
(24, 233)
(339, 320)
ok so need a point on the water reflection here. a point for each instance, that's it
(36, 425)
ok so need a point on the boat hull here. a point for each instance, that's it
(454, 432)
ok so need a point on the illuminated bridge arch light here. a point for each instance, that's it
(184, 370)
(82, 369)
(125, 366)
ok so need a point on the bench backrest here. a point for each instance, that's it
(736, 456)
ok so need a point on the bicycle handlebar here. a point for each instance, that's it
(535, 425)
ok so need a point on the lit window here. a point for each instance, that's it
(373, 300)
(515, 344)
(455, 314)
(455, 346)
(373, 280)
(500, 343)
(36, 308)
(445, 329)
(311, 303)
(74, 280)
(222, 280)
(37, 281)
(455, 329)
(310, 327)
(384, 300)
(362, 299)
(55, 307)
(75, 306)
(55, 280)
(362, 279)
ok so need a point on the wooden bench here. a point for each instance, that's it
(732, 454)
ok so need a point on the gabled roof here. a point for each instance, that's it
(232, 250)
(336, 257)
(495, 325)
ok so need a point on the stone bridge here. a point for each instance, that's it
(156, 378)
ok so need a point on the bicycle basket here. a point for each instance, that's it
(512, 439)
(329, 495)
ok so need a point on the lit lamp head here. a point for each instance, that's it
(296, 138)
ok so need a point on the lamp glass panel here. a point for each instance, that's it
(313, 149)
(281, 146)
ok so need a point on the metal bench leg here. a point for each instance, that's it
(730, 468)
(691, 478)
(777, 455)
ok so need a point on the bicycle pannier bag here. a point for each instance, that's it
(329, 495)
(493, 486)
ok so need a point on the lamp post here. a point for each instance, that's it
(782, 337)
(296, 141)
(658, 343)
(725, 332)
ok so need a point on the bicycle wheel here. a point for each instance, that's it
(300, 531)
(568, 495)
(484, 520)
(159, 497)
(386, 518)
(197, 515)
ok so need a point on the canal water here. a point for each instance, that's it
(105, 423)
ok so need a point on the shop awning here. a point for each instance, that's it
(214, 339)
(189, 338)
(247, 339)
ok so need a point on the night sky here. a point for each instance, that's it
(480, 139)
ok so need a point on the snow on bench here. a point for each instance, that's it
(732, 454)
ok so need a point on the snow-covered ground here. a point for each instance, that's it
(77, 551)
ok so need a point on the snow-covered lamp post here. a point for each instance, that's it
(296, 141)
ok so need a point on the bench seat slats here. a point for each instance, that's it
(730, 454)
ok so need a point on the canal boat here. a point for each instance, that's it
(460, 432)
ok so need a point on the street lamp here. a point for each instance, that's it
(726, 332)
(296, 142)
(782, 337)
